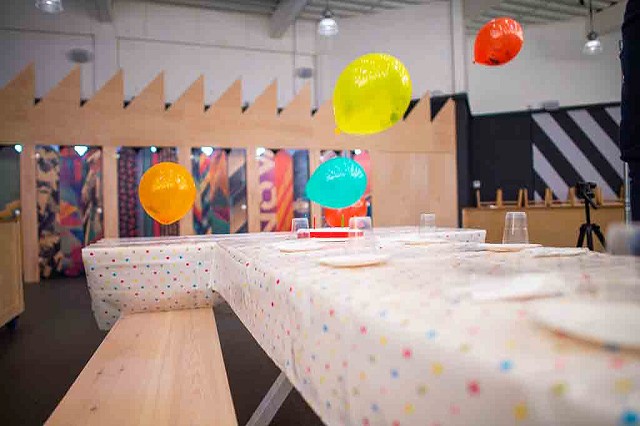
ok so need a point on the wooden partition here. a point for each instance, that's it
(554, 226)
(414, 162)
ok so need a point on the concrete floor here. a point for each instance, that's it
(57, 335)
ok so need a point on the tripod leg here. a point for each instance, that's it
(598, 232)
(581, 236)
(589, 233)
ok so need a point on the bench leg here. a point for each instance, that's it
(271, 402)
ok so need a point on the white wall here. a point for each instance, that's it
(146, 38)
(186, 42)
(420, 36)
(29, 36)
(549, 67)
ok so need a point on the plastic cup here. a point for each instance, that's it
(300, 228)
(515, 228)
(623, 239)
(427, 223)
(361, 236)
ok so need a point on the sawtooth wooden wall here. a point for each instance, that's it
(414, 162)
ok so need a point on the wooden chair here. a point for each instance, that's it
(499, 199)
(160, 368)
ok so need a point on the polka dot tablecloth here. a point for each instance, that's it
(127, 275)
(390, 345)
(147, 275)
(400, 343)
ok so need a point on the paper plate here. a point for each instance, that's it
(524, 286)
(503, 248)
(299, 245)
(354, 260)
(557, 251)
(608, 323)
(426, 241)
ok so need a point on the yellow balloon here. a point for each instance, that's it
(371, 94)
(167, 192)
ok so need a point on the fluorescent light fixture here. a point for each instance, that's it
(260, 151)
(50, 6)
(593, 46)
(207, 150)
(153, 149)
(81, 149)
(18, 147)
(327, 27)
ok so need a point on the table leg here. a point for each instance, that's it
(271, 402)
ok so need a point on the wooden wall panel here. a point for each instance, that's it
(184, 159)
(315, 209)
(442, 189)
(556, 226)
(59, 113)
(413, 162)
(399, 187)
(253, 190)
(29, 214)
(16, 105)
(110, 192)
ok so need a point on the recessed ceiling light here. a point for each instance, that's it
(50, 6)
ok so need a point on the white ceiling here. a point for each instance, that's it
(534, 11)
(312, 10)
(479, 11)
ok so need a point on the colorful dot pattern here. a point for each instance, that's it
(385, 345)
(127, 276)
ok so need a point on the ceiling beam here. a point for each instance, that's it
(285, 15)
(223, 5)
(473, 8)
(517, 10)
(556, 7)
(104, 10)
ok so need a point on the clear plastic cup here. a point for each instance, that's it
(427, 223)
(515, 228)
(623, 239)
(300, 227)
(361, 237)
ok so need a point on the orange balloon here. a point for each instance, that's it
(167, 192)
(334, 216)
(498, 42)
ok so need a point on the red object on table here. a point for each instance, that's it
(340, 217)
(331, 233)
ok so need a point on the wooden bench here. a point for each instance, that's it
(161, 368)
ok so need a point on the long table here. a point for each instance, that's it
(397, 344)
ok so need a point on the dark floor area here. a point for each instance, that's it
(56, 336)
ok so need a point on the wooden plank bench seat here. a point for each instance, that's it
(160, 368)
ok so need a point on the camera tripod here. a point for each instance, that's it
(587, 229)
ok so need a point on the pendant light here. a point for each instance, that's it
(593, 46)
(327, 27)
(50, 6)
(80, 149)
(207, 150)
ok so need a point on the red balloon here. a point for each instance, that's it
(334, 216)
(498, 42)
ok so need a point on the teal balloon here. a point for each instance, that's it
(337, 183)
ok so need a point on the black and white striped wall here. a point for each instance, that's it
(577, 145)
(540, 149)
